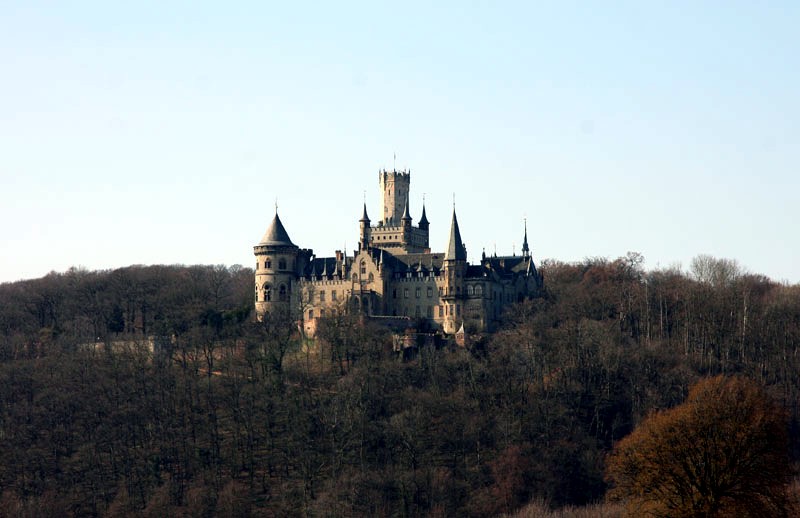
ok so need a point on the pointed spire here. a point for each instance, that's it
(423, 221)
(525, 249)
(324, 269)
(364, 217)
(406, 211)
(380, 261)
(455, 248)
(276, 235)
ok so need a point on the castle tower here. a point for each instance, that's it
(455, 269)
(394, 186)
(276, 263)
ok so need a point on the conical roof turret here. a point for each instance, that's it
(406, 212)
(364, 217)
(276, 235)
(455, 247)
(423, 221)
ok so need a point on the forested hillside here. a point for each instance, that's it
(150, 391)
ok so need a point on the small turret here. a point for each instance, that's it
(363, 242)
(406, 218)
(423, 221)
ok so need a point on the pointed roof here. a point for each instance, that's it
(455, 248)
(276, 235)
(525, 249)
(406, 212)
(424, 219)
(365, 217)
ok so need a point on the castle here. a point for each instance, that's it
(393, 273)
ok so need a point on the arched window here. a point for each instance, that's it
(282, 264)
(282, 293)
(479, 290)
(371, 277)
(267, 293)
(355, 277)
(363, 268)
(470, 290)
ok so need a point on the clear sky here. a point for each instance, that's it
(163, 132)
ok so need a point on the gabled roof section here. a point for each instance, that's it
(455, 248)
(276, 235)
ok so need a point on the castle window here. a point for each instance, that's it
(417, 292)
(405, 293)
(470, 290)
(333, 294)
(478, 290)
(441, 311)
(267, 293)
(282, 264)
(321, 313)
(322, 296)
(310, 314)
(441, 291)
(355, 277)
(430, 311)
(268, 264)
(282, 293)
(363, 267)
(430, 292)
(371, 277)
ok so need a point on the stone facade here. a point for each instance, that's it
(393, 273)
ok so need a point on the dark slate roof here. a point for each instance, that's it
(364, 217)
(276, 235)
(404, 262)
(424, 219)
(406, 214)
(455, 248)
(328, 267)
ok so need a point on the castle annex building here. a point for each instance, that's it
(393, 273)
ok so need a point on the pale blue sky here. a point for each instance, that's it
(163, 132)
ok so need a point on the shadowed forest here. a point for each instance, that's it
(150, 391)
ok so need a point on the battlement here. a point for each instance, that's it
(404, 174)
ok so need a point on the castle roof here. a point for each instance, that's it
(406, 214)
(276, 235)
(424, 219)
(455, 248)
(364, 217)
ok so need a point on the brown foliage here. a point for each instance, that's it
(721, 453)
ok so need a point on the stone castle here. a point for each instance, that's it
(393, 273)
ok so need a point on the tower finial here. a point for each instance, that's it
(276, 205)
(394, 162)
(454, 201)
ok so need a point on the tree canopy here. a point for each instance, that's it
(724, 452)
